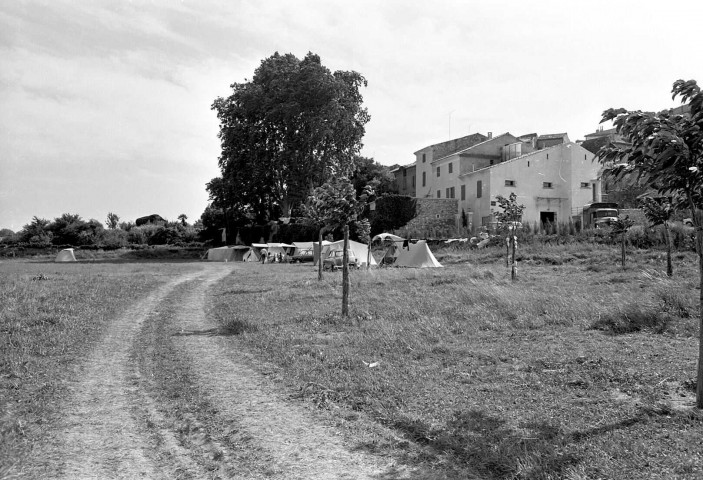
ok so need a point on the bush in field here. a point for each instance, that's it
(114, 238)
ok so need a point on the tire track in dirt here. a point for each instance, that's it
(97, 436)
(296, 443)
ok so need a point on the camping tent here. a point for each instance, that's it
(416, 255)
(251, 255)
(65, 255)
(360, 250)
(227, 254)
(305, 246)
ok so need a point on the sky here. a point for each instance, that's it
(105, 106)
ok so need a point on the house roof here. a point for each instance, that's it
(521, 157)
(552, 135)
(600, 133)
(473, 146)
(473, 138)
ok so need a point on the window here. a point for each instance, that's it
(510, 183)
(451, 192)
(405, 173)
(547, 185)
(446, 193)
(424, 178)
(438, 171)
(479, 189)
(463, 192)
(585, 185)
(413, 180)
(423, 158)
(547, 156)
(528, 164)
(439, 194)
(450, 168)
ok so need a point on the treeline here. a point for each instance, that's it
(72, 230)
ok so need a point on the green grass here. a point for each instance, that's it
(486, 378)
(50, 315)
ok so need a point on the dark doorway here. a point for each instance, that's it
(547, 217)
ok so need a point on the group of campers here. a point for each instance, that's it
(273, 257)
(398, 252)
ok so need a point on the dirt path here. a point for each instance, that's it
(103, 432)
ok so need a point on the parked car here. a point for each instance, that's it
(302, 256)
(336, 258)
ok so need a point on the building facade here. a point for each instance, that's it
(553, 177)
(404, 179)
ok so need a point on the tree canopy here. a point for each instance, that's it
(284, 133)
(666, 152)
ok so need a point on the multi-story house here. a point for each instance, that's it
(550, 175)
(405, 179)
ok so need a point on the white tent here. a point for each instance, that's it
(65, 255)
(251, 255)
(387, 236)
(274, 248)
(360, 250)
(416, 255)
(227, 254)
(306, 246)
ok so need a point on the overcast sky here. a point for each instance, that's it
(105, 105)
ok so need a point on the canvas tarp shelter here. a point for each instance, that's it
(305, 246)
(251, 255)
(360, 250)
(65, 255)
(416, 255)
(227, 254)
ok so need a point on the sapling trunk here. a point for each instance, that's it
(513, 270)
(319, 256)
(669, 267)
(622, 241)
(345, 274)
(699, 376)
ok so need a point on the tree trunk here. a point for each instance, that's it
(319, 256)
(345, 274)
(622, 240)
(513, 270)
(669, 267)
(699, 251)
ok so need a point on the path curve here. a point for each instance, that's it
(100, 436)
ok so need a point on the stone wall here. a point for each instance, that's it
(436, 217)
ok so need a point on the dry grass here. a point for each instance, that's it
(493, 379)
(50, 316)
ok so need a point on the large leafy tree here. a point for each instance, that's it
(666, 152)
(285, 132)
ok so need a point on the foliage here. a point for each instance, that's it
(392, 212)
(666, 149)
(183, 217)
(112, 220)
(369, 172)
(666, 153)
(511, 210)
(335, 203)
(37, 231)
(284, 132)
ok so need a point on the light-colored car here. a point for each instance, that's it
(336, 258)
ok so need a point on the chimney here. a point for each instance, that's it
(490, 135)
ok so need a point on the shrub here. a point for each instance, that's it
(633, 317)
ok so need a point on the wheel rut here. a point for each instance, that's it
(113, 427)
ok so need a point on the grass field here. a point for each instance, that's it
(578, 370)
(50, 315)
